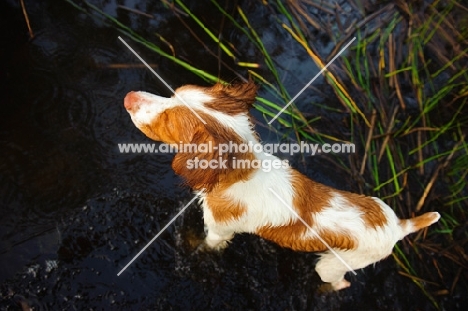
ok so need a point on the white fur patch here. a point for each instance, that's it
(263, 208)
(339, 216)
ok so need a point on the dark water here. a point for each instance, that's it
(75, 210)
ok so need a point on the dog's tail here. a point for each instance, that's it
(417, 223)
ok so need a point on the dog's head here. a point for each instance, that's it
(198, 115)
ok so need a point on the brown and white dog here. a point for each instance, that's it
(360, 230)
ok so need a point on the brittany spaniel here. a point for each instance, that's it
(350, 231)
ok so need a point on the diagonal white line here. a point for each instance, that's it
(157, 235)
(313, 79)
(162, 80)
(313, 231)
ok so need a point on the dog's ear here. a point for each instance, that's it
(192, 165)
(173, 126)
(187, 163)
(234, 98)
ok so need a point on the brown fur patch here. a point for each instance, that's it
(179, 124)
(292, 236)
(208, 179)
(223, 208)
(173, 126)
(232, 99)
(309, 197)
(373, 215)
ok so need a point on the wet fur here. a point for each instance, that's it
(361, 230)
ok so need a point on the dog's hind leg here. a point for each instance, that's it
(331, 270)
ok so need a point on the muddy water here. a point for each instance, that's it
(75, 210)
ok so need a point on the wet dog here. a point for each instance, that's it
(350, 231)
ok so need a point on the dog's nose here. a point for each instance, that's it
(130, 100)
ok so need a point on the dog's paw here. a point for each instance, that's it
(340, 284)
(332, 287)
(222, 245)
(216, 245)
